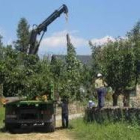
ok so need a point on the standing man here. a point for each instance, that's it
(101, 90)
(65, 113)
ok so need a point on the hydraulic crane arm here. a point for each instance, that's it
(34, 45)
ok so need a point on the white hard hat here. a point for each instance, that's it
(90, 101)
(99, 75)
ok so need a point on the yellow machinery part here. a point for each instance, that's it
(3, 100)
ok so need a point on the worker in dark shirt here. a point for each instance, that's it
(65, 113)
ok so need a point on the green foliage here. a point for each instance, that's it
(134, 37)
(118, 64)
(1, 44)
(118, 61)
(71, 73)
(22, 74)
(28, 75)
(56, 67)
(23, 36)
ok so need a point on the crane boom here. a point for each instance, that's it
(33, 44)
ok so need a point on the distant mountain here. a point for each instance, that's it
(85, 59)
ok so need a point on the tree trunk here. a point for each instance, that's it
(115, 99)
(126, 99)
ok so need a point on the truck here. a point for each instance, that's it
(30, 113)
(21, 112)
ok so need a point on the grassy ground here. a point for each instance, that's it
(1, 116)
(82, 131)
(106, 131)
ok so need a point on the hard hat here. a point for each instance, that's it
(99, 75)
(90, 101)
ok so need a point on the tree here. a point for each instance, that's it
(116, 61)
(56, 67)
(23, 36)
(72, 72)
(96, 58)
(118, 67)
(1, 60)
(1, 44)
(134, 37)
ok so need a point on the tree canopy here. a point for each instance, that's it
(28, 75)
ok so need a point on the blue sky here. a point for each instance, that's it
(94, 20)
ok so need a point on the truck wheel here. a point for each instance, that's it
(12, 127)
(7, 126)
(50, 127)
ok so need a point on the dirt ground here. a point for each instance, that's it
(59, 134)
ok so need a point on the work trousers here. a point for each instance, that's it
(101, 96)
(65, 120)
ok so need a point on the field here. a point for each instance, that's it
(107, 131)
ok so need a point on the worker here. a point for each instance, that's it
(65, 113)
(91, 104)
(100, 86)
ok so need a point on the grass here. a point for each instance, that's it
(2, 111)
(94, 131)
(107, 131)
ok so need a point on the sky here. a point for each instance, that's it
(95, 20)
